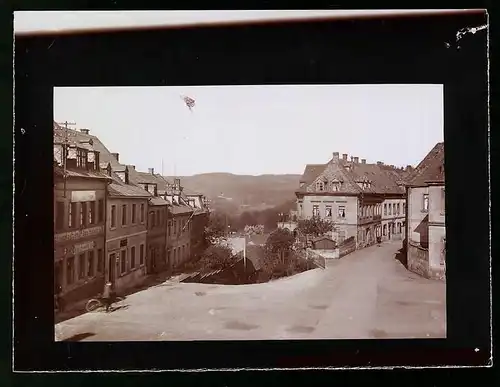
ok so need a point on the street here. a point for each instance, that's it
(366, 294)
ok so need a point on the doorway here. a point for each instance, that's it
(111, 268)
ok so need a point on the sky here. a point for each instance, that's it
(257, 129)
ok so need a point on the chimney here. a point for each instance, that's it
(116, 156)
(127, 181)
(356, 160)
(344, 156)
(409, 168)
(85, 131)
(132, 167)
(335, 156)
(380, 163)
(363, 161)
(151, 171)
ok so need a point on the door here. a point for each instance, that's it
(111, 268)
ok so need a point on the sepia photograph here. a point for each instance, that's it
(260, 212)
(251, 190)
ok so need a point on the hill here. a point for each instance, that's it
(239, 193)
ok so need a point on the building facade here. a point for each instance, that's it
(426, 227)
(352, 195)
(79, 220)
(126, 236)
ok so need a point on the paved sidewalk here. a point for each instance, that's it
(367, 294)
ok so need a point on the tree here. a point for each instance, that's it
(217, 257)
(280, 243)
(315, 226)
(215, 229)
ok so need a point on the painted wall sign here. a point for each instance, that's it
(84, 247)
(83, 196)
(78, 234)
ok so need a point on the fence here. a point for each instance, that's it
(317, 259)
(347, 247)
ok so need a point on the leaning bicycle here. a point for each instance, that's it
(99, 302)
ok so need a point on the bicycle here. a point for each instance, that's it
(98, 302)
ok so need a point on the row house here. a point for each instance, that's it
(80, 194)
(127, 230)
(180, 225)
(147, 224)
(157, 220)
(355, 196)
(426, 226)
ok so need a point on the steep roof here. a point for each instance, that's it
(431, 168)
(384, 179)
(118, 188)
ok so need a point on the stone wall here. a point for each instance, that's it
(418, 260)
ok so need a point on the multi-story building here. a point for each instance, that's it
(352, 195)
(179, 226)
(126, 235)
(79, 219)
(426, 231)
(157, 220)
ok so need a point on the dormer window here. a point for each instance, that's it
(336, 185)
(320, 186)
(81, 158)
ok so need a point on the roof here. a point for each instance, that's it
(176, 209)
(121, 190)
(158, 201)
(431, 168)
(58, 171)
(323, 237)
(383, 179)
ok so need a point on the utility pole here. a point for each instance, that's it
(65, 151)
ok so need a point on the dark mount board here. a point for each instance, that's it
(379, 50)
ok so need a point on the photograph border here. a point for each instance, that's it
(366, 51)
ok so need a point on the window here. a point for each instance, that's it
(425, 204)
(394, 228)
(169, 227)
(341, 212)
(70, 270)
(390, 209)
(179, 253)
(142, 213)
(385, 229)
(175, 227)
(132, 257)
(184, 225)
(397, 209)
(158, 218)
(180, 227)
(83, 214)
(123, 261)
(320, 186)
(443, 201)
(90, 266)
(124, 214)
(100, 261)
(141, 252)
(81, 266)
(328, 211)
(59, 215)
(404, 208)
(100, 215)
(113, 216)
(175, 256)
(183, 251)
(385, 208)
(91, 212)
(72, 215)
(394, 208)
(134, 215)
(315, 210)
(81, 158)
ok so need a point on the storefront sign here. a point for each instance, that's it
(78, 234)
(83, 196)
(84, 247)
